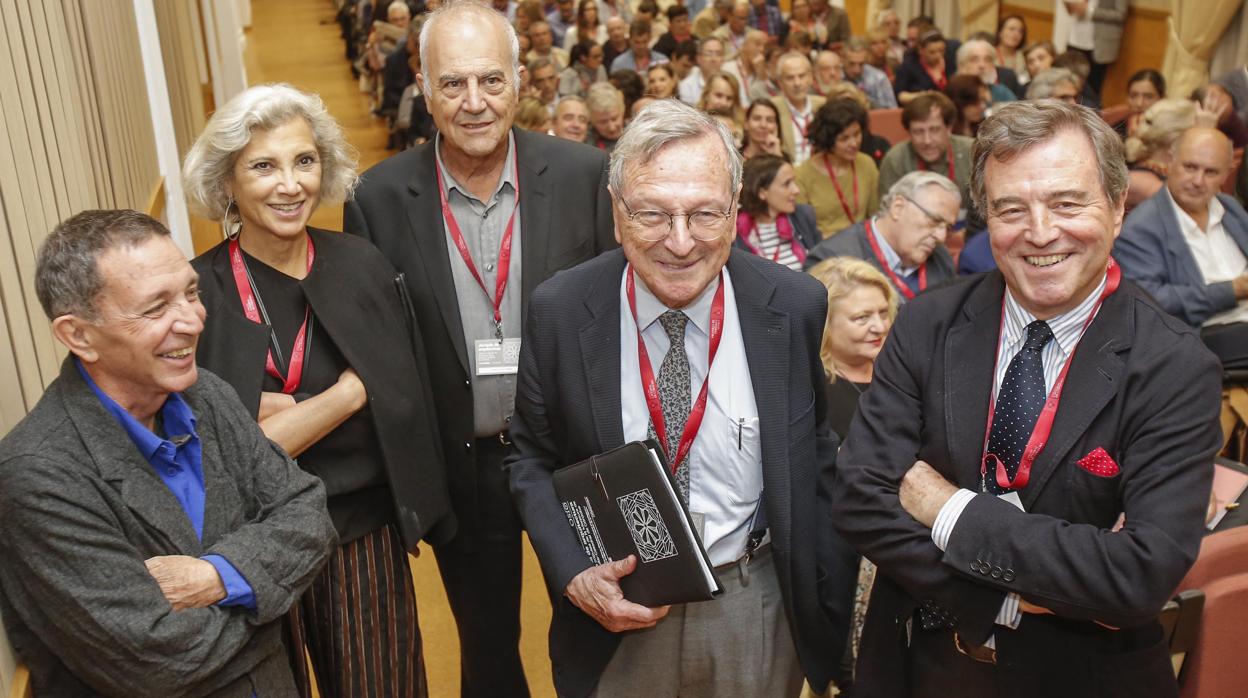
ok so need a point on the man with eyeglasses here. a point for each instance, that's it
(675, 312)
(906, 239)
(476, 219)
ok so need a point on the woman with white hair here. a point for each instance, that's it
(312, 330)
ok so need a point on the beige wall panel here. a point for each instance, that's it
(39, 51)
(66, 114)
(88, 104)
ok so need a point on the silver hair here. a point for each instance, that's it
(965, 50)
(856, 44)
(210, 162)
(908, 187)
(400, 6)
(472, 10)
(1042, 85)
(603, 96)
(67, 270)
(883, 14)
(663, 122)
(1020, 126)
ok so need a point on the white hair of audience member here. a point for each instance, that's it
(663, 122)
(398, 10)
(908, 187)
(883, 15)
(1160, 127)
(211, 159)
(964, 51)
(469, 9)
(1043, 85)
(603, 96)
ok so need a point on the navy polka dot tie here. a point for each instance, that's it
(1019, 401)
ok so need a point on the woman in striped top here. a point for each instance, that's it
(770, 222)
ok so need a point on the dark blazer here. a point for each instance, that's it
(81, 509)
(1141, 386)
(568, 408)
(355, 300)
(804, 228)
(1009, 79)
(565, 219)
(852, 242)
(1155, 255)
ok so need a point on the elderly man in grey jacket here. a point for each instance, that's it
(152, 538)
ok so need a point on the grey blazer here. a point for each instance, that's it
(1154, 254)
(81, 509)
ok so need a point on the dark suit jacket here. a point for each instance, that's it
(81, 509)
(568, 408)
(1009, 79)
(1154, 254)
(804, 229)
(1143, 387)
(354, 298)
(565, 219)
(852, 242)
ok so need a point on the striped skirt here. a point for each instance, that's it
(357, 623)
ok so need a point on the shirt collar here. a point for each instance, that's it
(175, 414)
(508, 176)
(1067, 328)
(649, 307)
(1188, 224)
(890, 255)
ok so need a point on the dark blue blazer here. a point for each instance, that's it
(1153, 254)
(568, 409)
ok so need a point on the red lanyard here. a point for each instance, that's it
(902, 287)
(948, 158)
(853, 174)
(650, 386)
(298, 359)
(504, 250)
(1044, 423)
(802, 125)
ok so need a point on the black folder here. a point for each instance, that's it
(624, 502)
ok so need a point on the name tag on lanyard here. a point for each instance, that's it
(498, 357)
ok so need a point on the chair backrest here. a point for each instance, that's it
(1215, 665)
(1222, 554)
(21, 687)
(886, 123)
(1115, 113)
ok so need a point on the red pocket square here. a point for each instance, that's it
(1099, 463)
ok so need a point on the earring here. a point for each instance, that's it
(230, 230)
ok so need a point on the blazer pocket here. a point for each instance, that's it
(799, 415)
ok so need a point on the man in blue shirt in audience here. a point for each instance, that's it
(152, 537)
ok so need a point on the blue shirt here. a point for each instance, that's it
(179, 463)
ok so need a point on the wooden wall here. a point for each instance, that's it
(1143, 42)
(75, 134)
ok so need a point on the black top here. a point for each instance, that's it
(843, 404)
(348, 459)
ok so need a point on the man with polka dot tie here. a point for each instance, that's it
(1013, 418)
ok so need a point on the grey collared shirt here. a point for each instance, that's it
(482, 224)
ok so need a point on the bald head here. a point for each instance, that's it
(1202, 160)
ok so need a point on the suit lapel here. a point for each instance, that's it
(535, 214)
(600, 354)
(970, 354)
(424, 215)
(121, 464)
(765, 333)
(1092, 382)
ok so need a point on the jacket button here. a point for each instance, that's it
(467, 446)
(467, 383)
(1008, 576)
(996, 572)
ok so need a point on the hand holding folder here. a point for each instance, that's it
(623, 506)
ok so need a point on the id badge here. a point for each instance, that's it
(495, 358)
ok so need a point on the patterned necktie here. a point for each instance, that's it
(1019, 401)
(674, 395)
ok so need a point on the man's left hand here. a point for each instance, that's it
(187, 582)
(923, 492)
